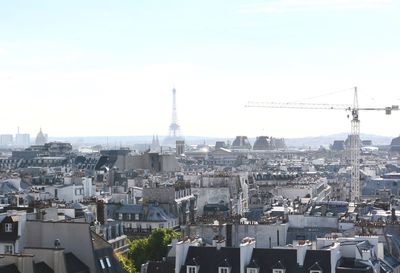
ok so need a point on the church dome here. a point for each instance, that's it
(41, 138)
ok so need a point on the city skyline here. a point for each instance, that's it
(108, 69)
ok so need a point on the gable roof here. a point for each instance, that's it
(74, 265)
(317, 258)
(160, 267)
(278, 265)
(315, 266)
(267, 258)
(98, 241)
(11, 268)
(253, 264)
(210, 258)
(42, 267)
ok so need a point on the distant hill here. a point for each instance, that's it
(327, 140)
(311, 141)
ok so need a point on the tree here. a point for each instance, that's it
(138, 252)
(153, 248)
(127, 264)
(158, 243)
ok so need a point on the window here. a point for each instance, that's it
(223, 269)
(136, 216)
(8, 249)
(119, 216)
(191, 269)
(315, 271)
(278, 271)
(108, 262)
(277, 240)
(252, 270)
(8, 227)
(102, 264)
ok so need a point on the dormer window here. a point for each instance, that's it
(8, 227)
(315, 268)
(279, 268)
(253, 267)
(192, 269)
(223, 269)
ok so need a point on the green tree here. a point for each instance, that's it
(138, 252)
(127, 264)
(158, 243)
(153, 248)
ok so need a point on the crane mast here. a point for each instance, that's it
(355, 140)
(355, 151)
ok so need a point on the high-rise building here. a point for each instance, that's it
(6, 140)
(180, 147)
(22, 140)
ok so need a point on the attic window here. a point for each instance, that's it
(278, 271)
(8, 227)
(223, 270)
(191, 269)
(315, 271)
(108, 262)
(102, 264)
(252, 270)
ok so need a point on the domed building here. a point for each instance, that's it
(395, 145)
(262, 143)
(41, 138)
(241, 142)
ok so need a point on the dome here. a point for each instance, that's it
(41, 138)
(395, 145)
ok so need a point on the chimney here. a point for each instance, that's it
(246, 250)
(323, 210)
(100, 212)
(182, 249)
(219, 241)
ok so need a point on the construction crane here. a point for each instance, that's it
(355, 130)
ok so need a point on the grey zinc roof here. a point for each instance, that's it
(11, 268)
(136, 209)
(42, 267)
(157, 214)
(74, 264)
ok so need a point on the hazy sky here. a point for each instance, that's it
(108, 67)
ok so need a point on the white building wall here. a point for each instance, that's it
(265, 235)
(302, 221)
(210, 196)
(87, 186)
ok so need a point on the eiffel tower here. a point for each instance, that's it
(174, 127)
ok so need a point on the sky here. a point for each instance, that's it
(107, 68)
